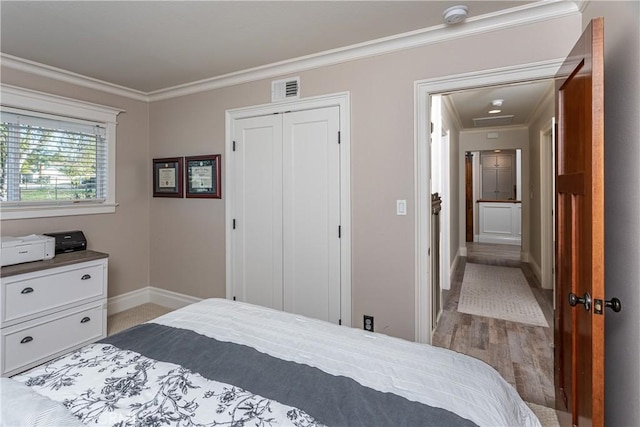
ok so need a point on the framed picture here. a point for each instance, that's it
(203, 176)
(167, 177)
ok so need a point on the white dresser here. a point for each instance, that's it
(48, 308)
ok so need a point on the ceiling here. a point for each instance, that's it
(148, 46)
(519, 101)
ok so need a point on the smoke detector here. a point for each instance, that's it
(455, 14)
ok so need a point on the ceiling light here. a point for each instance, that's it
(497, 151)
(494, 111)
(455, 14)
(497, 102)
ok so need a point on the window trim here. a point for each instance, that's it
(40, 102)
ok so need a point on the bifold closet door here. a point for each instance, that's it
(311, 213)
(257, 211)
(286, 247)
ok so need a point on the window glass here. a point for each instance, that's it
(51, 160)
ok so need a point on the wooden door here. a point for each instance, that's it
(579, 332)
(468, 195)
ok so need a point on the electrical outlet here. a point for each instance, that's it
(368, 323)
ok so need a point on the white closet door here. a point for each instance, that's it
(311, 213)
(257, 238)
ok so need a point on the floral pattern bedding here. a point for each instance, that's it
(103, 385)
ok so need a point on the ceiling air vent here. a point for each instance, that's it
(493, 121)
(285, 89)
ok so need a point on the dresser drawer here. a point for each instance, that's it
(32, 295)
(27, 344)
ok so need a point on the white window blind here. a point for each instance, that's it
(46, 159)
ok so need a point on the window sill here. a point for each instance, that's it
(26, 212)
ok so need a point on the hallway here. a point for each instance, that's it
(523, 354)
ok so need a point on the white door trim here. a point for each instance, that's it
(547, 204)
(422, 171)
(342, 100)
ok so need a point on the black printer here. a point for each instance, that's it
(69, 241)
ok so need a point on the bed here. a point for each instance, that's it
(221, 362)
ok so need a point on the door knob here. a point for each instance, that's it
(614, 304)
(575, 300)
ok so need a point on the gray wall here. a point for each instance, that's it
(187, 236)
(178, 245)
(622, 197)
(545, 113)
(124, 235)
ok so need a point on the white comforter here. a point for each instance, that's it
(418, 372)
(421, 373)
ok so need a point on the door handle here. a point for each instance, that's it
(614, 304)
(575, 300)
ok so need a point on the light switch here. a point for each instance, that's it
(401, 207)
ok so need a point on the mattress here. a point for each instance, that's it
(221, 362)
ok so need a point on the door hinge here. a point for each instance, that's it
(339, 232)
(339, 137)
(234, 146)
(339, 321)
(234, 298)
(234, 223)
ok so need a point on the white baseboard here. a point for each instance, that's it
(536, 269)
(499, 240)
(452, 271)
(462, 251)
(169, 299)
(126, 301)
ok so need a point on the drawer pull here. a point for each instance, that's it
(26, 340)
(86, 277)
(27, 291)
(85, 319)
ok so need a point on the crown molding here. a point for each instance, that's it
(582, 4)
(524, 15)
(548, 96)
(42, 70)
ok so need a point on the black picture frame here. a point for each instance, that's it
(167, 177)
(202, 176)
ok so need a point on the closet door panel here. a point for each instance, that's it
(257, 239)
(311, 213)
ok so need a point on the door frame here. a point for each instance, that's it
(423, 89)
(341, 100)
(547, 205)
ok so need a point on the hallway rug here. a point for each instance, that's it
(501, 293)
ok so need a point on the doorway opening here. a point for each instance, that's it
(463, 144)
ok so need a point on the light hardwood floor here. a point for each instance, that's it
(523, 354)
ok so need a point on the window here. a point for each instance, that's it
(57, 156)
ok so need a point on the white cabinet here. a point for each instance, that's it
(500, 222)
(48, 308)
(498, 176)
